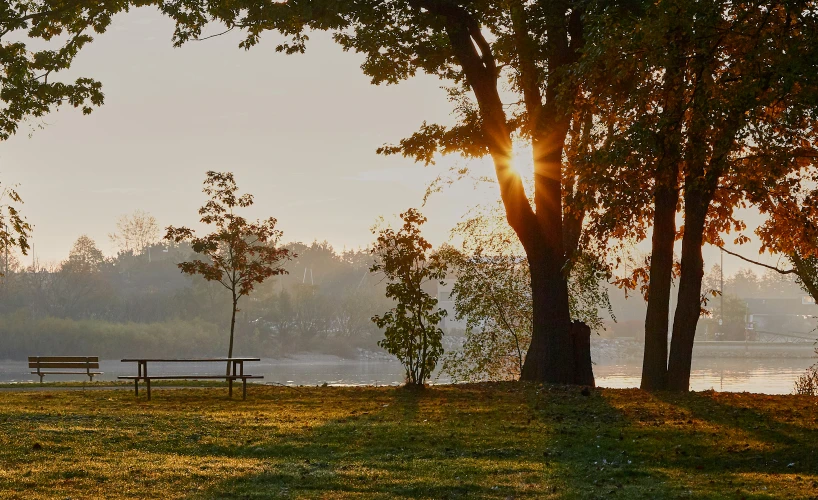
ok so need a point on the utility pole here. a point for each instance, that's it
(6, 229)
(721, 289)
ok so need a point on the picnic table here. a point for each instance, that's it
(236, 373)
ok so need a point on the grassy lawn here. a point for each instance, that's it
(486, 441)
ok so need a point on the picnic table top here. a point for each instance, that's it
(186, 360)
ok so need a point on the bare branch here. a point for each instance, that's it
(228, 30)
(751, 261)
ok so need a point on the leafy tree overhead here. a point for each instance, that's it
(30, 84)
(743, 79)
(238, 254)
(638, 105)
(411, 327)
(484, 50)
(752, 101)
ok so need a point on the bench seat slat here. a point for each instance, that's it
(59, 359)
(66, 373)
(79, 366)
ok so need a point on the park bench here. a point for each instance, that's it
(79, 365)
(237, 372)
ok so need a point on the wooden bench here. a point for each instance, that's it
(237, 372)
(80, 365)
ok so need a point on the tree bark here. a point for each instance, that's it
(705, 165)
(550, 355)
(654, 362)
(688, 307)
(232, 330)
(583, 366)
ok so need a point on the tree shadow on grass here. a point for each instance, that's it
(506, 440)
(409, 447)
(770, 435)
(705, 447)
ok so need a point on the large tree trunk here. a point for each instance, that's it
(654, 364)
(550, 357)
(688, 307)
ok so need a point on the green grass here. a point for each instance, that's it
(115, 383)
(485, 441)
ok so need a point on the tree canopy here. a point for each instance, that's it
(39, 39)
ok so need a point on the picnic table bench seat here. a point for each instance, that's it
(67, 365)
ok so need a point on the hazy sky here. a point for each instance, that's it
(299, 132)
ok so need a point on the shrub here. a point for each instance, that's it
(807, 384)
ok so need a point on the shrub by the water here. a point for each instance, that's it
(807, 384)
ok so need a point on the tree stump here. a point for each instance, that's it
(583, 368)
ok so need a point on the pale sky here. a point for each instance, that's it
(299, 132)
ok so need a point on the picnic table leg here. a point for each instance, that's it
(147, 379)
(136, 380)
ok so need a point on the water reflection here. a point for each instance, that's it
(771, 376)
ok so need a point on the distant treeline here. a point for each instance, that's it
(140, 304)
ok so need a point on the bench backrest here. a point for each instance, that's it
(76, 362)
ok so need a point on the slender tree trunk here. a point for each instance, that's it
(654, 364)
(688, 307)
(665, 199)
(232, 331)
(704, 167)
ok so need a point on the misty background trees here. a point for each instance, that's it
(133, 303)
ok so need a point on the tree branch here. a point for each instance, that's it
(228, 30)
(781, 271)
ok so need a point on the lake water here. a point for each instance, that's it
(771, 376)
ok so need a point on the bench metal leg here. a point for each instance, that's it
(244, 388)
(230, 387)
(41, 378)
(148, 381)
(136, 386)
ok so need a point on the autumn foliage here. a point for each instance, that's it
(238, 254)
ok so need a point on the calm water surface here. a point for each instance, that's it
(771, 376)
